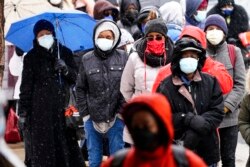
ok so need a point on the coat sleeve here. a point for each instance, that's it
(210, 119)
(81, 91)
(234, 98)
(244, 119)
(127, 86)
(26, 88)
(72, 68)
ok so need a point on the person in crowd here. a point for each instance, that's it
(149, 121)
(44, 94)
(196, 101)
(196, 12)
(152, 52)
(236, 19)
(216, 32)
(244, 115)
(211, 66)
(98, 94)
(103, 9)
(174, 19)
(129, 10)
(86, 6)
(126, 42)
(146, 13)
(7, 157)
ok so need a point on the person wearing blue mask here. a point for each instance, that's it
(196, 100)
(236, 19)
(105, 10)
(196, 12)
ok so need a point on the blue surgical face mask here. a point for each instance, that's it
(109, 17)
(201, 15)
(227, 11)
(188, 65)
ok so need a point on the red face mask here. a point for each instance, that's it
(156, 47)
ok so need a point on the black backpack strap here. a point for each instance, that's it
(180, 156)
(119, 157)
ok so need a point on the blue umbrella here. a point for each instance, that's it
(73, 29)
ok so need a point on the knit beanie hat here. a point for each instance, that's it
(216, 20)
(43, 25)
(223, 3)
(156, 25)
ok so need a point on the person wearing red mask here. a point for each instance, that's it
(152, 52)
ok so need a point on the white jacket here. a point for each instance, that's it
(137, 78)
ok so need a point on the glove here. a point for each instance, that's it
(189, 116)
(22, 123)
(61, 66)
(191, 139)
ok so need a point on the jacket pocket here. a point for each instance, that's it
(116, 71)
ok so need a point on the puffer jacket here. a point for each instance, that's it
(98, 83)
(244, 116)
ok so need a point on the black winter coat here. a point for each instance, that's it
(198, 131)
(98, 85)
(42, 101)
(239, 22)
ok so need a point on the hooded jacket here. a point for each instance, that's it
(244, 115)
(211, 67)
(191, 8)
(125, 23)
(101, 6)
(98, 82)
(197, 107)
(174, 19)
(163, 155)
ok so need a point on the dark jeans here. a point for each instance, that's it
(228, 143)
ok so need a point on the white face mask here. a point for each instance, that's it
(214, 36)
(201, 15)
(55, 2)
(188, 65)
(46, 41)
(104, 44)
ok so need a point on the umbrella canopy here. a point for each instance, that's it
(15, 10)
(74, 29)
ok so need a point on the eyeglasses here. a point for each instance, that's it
(157, 38)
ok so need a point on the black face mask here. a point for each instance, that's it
(145, 140)
(131, 15)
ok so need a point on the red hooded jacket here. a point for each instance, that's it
(162, 156)
(211, 66)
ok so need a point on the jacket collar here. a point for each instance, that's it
(177, 81)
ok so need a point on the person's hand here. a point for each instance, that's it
(22, 123)
(226, 110)
(61, 66)
(189, 116)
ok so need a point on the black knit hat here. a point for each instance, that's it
(223, 3)
(216, 20)
(156, 25)
(43, 25)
